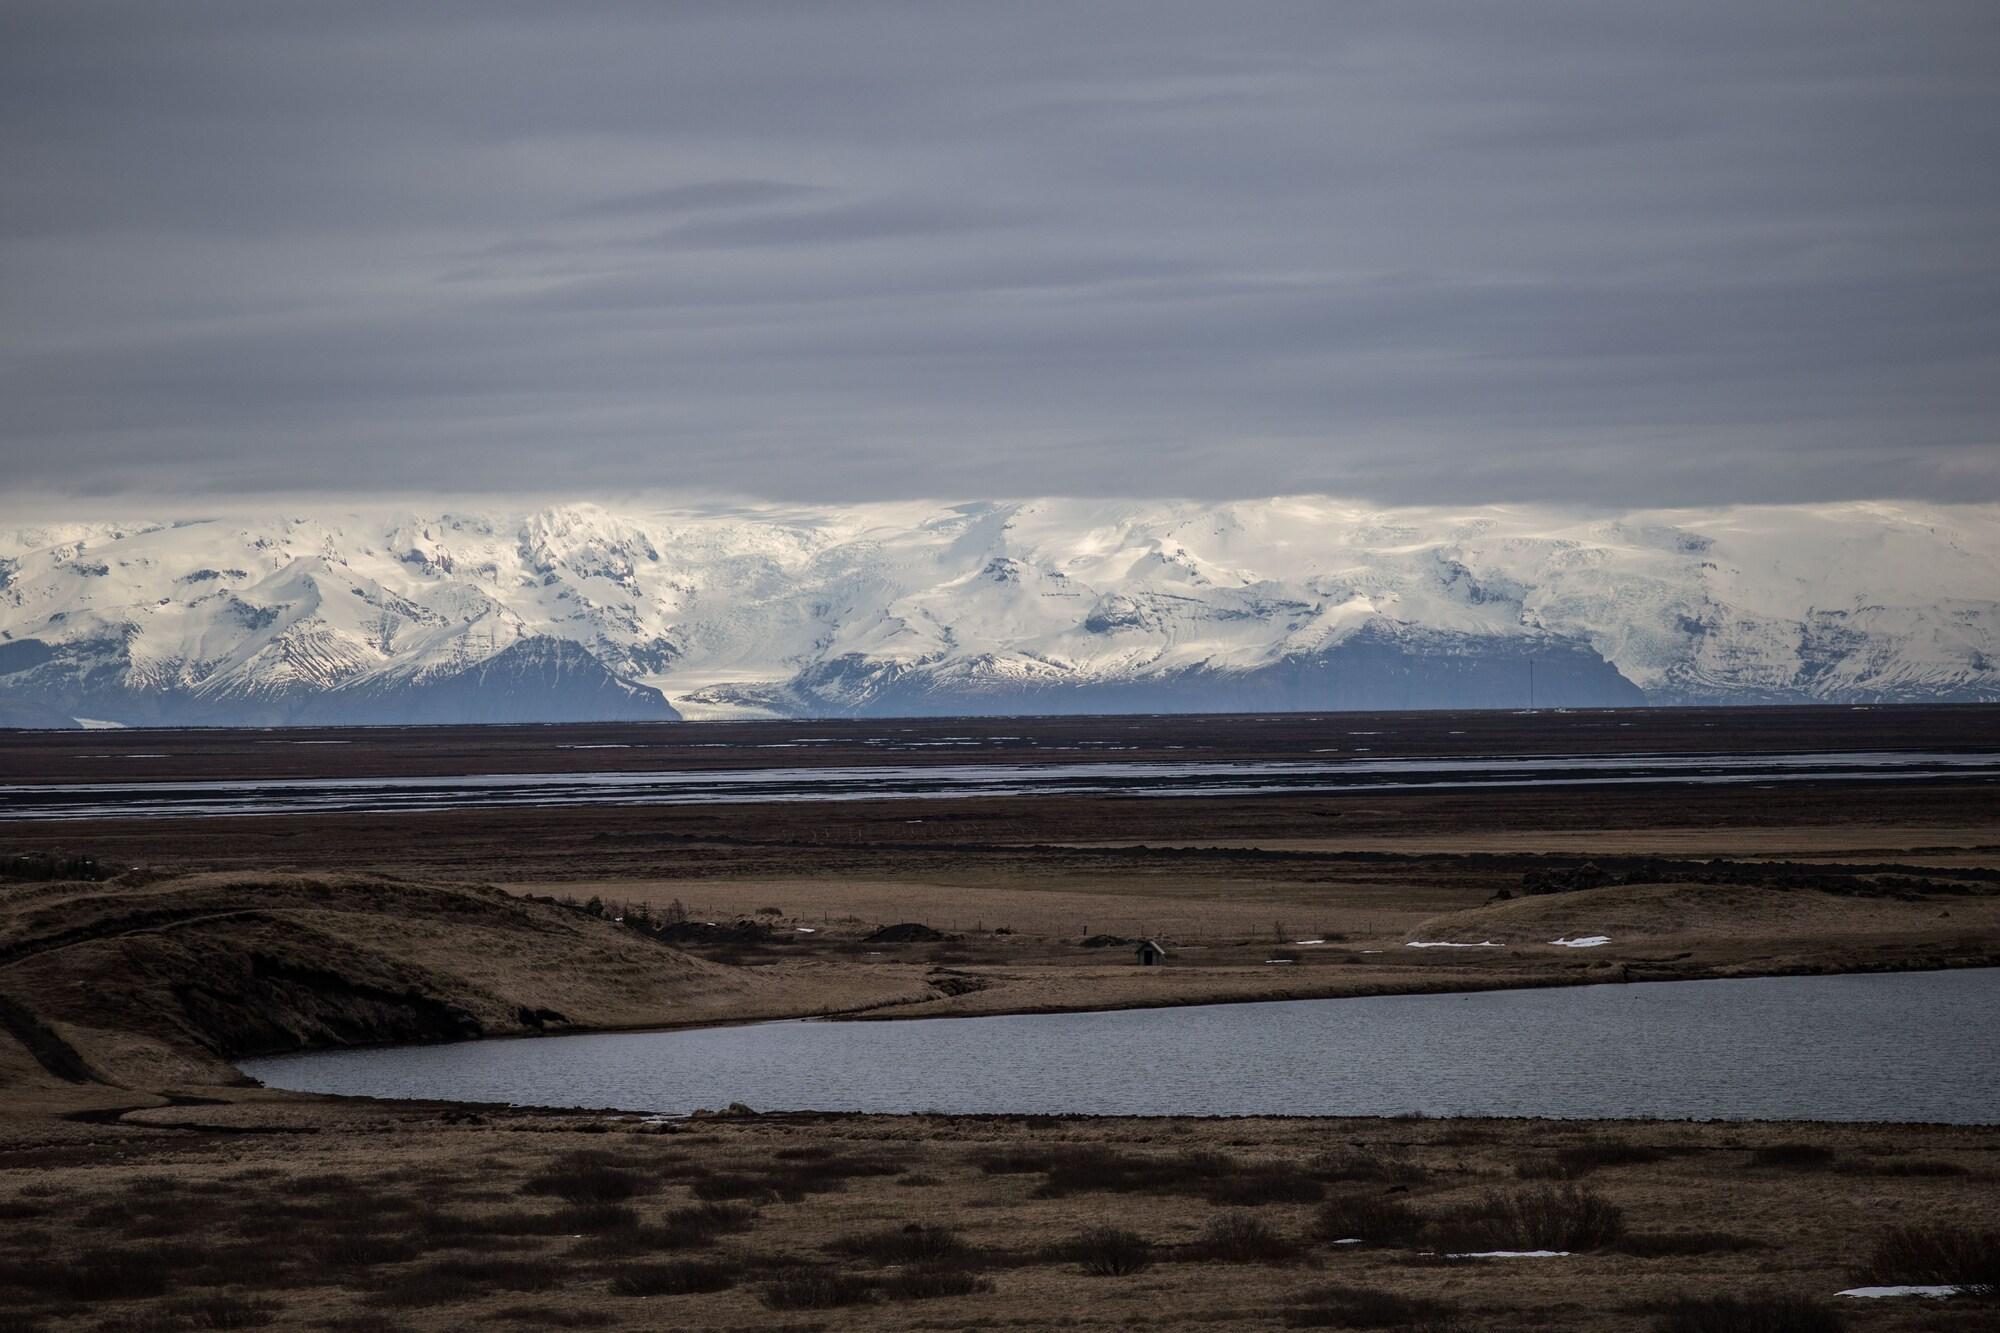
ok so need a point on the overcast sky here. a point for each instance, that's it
(1613, 253)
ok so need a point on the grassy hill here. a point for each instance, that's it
(163, 983)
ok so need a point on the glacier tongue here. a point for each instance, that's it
(1058, 605)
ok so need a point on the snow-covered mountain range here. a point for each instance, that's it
(579, 612)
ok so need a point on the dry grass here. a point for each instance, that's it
(1357, 1164)
(1758, 1314)
(449, 1281)
(933, 1281)
(404, 1218)
(1928, 1255)
(804, 1288)
(1343, 1306)
(551, 1316)
(678, 1278)
(1680, 1244)
(1793, 1156)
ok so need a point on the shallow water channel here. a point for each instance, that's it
(875, 782)
(1921, 1046)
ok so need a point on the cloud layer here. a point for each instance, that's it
(1618, 254)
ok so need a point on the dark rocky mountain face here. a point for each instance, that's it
(1374, 670)
(536, 679)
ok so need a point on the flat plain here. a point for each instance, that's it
(130, 1147)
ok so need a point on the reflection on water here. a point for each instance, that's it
(128, 800)
(1908, 1046)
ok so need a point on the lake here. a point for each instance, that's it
(1914, 1046)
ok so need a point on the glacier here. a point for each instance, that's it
(581, 611)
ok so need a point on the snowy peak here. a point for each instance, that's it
(1037, 605)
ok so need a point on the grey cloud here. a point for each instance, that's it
(1619, 254)
(698, 196)
(875, 220)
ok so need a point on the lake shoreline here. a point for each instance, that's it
(898, 1011)
(1554, 1053)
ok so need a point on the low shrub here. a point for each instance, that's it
(507, 1274)
(804, 1152)
(113, 1275)
(1358, 1164)
(363, 1249)
(638, 1242)
(1674, 1244)
(1239, 1238)
(1465, 1136)
(816, 1289)
(1798, 1156)
(107, 1217)
(791, 1179)
(1937, 1256)
(1376, 1218)
(1731, 1314)
(1361, 1307)
(1254, 1188)
(425, 1287)
(795, 1180)
(550, 1316)
(591, 1217)
(585, 1179)
(1582, 1158)
(732, 1185)
(1915, 1167)
(1080, 1170)
(912, 1244)
(205, 1312)
(1569, 1218)
(441, 1228)
(922, 1282)
(451, 1280)
(681, 1278)
(1013, 1161)
(360, 1323)
(711, 1219)
(1110, 1252)
(1541, 1168)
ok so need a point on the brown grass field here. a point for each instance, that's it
(144, 1187)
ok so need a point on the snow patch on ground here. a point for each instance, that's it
(1513, 1254)
(1876, 1293)
(1448, 944)
(1583, 941)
